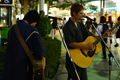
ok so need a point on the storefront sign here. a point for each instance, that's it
(5, 1)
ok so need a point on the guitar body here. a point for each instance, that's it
(83, 58)
(38, 74)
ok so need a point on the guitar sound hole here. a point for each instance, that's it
(91, 53)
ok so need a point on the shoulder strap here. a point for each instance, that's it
(25, 46)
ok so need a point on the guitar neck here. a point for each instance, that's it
(104, 35)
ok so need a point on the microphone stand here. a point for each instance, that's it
(110, 53)
(68, 52)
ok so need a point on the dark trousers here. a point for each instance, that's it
(104, 48)
(82, 73)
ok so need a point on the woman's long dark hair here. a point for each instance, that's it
(102, 19)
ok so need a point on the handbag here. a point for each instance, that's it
(38, 71)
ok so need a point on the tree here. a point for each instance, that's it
(66, 4)
(51, 2)
(90, 6)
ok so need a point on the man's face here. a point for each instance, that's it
(79, 15)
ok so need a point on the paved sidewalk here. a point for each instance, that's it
(98, 70)
(62, 72)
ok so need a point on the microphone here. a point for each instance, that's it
(88, 18)
(51, 17)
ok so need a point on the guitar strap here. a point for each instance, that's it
(27, 50)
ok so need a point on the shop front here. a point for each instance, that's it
(5, 19)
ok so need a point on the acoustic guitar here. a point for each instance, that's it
(83, 58)
(38, 72)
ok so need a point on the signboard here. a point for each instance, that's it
(5, 1)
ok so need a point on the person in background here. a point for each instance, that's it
(54, 25)
(88, 24)
(17, 65)
(101, 29)
(64, 21)
(95, 25)
(75, 33)
(111, 25)
(60, 23)
(118, 31)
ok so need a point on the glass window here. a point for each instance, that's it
(3, 17)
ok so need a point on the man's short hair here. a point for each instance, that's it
(32, 16)
(76, 7)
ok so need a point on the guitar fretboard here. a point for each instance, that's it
(104, 35)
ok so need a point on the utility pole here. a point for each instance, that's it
(41, 7)
(102, 6)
